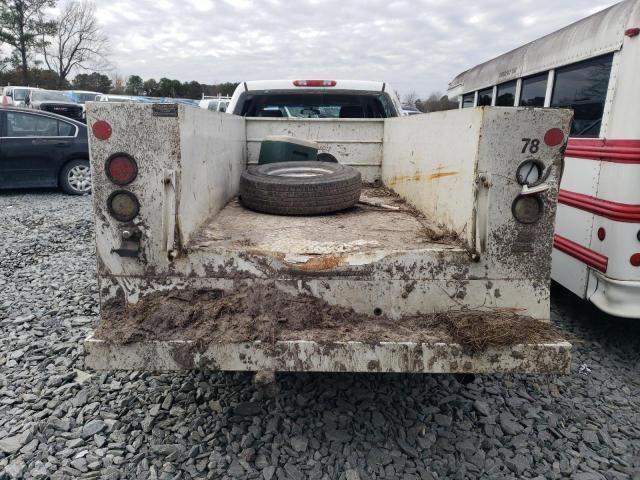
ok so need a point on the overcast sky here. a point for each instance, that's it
(417, 45)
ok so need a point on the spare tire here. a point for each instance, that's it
(300, 188)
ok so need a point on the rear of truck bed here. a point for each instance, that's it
(431, 273)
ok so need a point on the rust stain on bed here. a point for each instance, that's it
(419, 177)
(319, 264)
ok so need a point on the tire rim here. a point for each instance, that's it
(79, 178)
(303, 172)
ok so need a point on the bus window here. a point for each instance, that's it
(533, 90)
(467, 100)
(583, 88)
(484, 97)
(506, 96)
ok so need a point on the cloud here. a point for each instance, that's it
(414, 45)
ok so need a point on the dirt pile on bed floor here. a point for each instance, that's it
(269, 314)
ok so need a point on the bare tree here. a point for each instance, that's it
(411, 98)
(77, 42)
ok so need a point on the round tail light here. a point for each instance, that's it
(101, 130)
(527, 209)
(123, 205)
(121, 168)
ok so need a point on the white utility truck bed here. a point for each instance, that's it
(430, 272)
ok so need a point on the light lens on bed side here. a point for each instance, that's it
(121, 168)
(527, 209)
(123, 205)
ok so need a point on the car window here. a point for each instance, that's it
(26, 125)
(66, 129)
(19, 94)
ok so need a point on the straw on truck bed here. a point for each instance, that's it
(443, 268)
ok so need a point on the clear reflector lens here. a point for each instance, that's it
(527, 209)
(123, 205)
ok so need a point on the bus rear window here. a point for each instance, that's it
(534, 90)
(583, 88)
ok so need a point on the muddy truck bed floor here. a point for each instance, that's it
(364, 228)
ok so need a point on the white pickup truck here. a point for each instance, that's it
(442, 267)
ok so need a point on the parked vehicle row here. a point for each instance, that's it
(43, 149)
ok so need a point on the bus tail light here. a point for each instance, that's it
(602, 234)
(121, 168)
(527, 208)
(123, 205)
(314, 83)
(635, 260)
(632, 32)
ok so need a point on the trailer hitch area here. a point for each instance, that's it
(130, 242)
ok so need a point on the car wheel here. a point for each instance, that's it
(75, 177)
(300, 188)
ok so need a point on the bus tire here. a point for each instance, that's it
(300, 188)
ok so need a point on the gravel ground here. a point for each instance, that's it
(59, 421)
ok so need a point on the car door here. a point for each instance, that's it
(32, 149)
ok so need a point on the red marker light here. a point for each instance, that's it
(314, 83)
(635, 259)
(101, 130)
(554, 137)
(602, 234)
(632, 32)
(121, 168)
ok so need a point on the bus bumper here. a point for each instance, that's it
(615, 297)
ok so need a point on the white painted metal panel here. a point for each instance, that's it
(212, 157)
(429, 157)
(581, 176)
(574, 224)
(577, 226)
(354, 142)
(308, 356)
(569, 272)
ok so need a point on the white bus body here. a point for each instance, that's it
(591, 66)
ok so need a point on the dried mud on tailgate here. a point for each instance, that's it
(267, 314)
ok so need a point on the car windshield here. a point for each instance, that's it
(49, 95)
(19, 94)
(84, 97)
(318, 105)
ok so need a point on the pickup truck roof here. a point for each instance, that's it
(336, 94)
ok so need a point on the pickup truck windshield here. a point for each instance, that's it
(49, 96)
(316, 105)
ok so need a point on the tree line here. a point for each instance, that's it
(435, 102)
(46, 51)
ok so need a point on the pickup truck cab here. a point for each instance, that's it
(315, 99)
